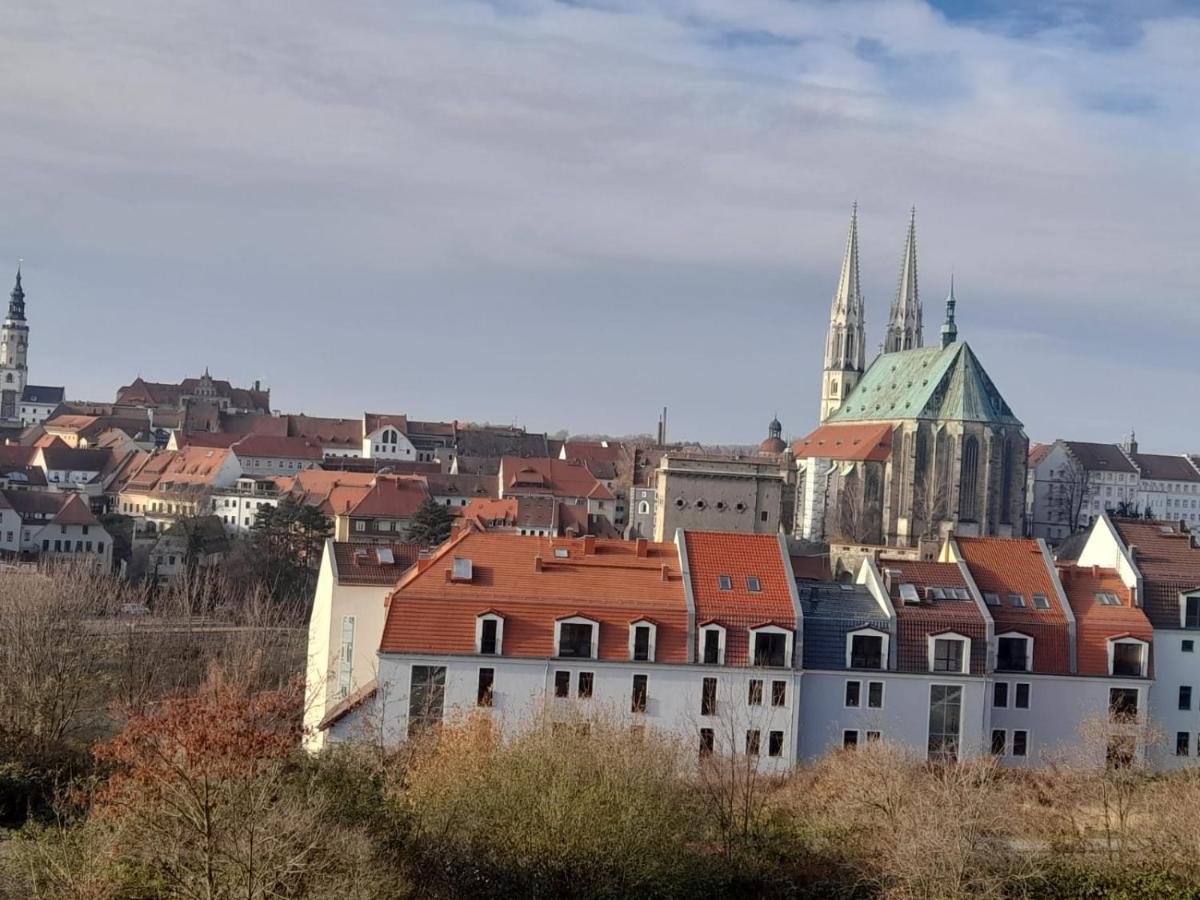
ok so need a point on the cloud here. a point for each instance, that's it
(626, 191)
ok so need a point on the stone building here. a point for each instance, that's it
(719, 493)
(21, 402)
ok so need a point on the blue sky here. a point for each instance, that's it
(571, 214)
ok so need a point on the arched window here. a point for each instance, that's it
(849, 346)
(644, 508)
(968, 488)
(1006, 485)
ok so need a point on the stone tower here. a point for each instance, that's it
(14, 349)
(845, 350)
(904, 324)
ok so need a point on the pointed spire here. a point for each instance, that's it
(849, 291)
(845, 343)
(949, 328)
(904, 326)
(16, 302)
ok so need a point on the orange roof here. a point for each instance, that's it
(1015, 566)
(851, 442)
(1038, 452)
(50, 440)
(275, 445)
(75, 512)
(391, 496)
(492, 513)
(372, 422)
(188, 467)
(1097, 622)
(917, 621)
(1169, 561)
(553, 477)
(531, 586)
(366, 564)
(712, 554)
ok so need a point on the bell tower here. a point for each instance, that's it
(845, 353)
(14, 350)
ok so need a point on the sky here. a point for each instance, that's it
(570, 214)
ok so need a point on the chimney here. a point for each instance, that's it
(888, 576)
(257, 385)
(424, 562)
(641, 547)
(1133, 552)
(589, 544)
(537, 563)
(665, 575)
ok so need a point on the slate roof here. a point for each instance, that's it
(1100, 457)
(831, 610)
(40, 393)
(927, 383)
(1166, 468)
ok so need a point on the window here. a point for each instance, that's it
(1041, 601)
(346, 657)
(575, 639)
(708, 697)
(426, 696)
(853, 693)
(638, 701)
(873, 737)
(1021, 700)
(1183, 742)
(583, 686)
(1127, 658)
(948, 655)
(1191, 612)
(1184, 646)
(770, 648)
(875, 694)
(487, 631)
(1185, 696)
(1013, 653)
(1020, 742)
(483, 694)
(778, 693)
(1123, 704)
(725, 582)
(752, 736)
(762, 516)
(642, 643)
(849, 739)
(755, 695)
(713, 644)
(945, 714)
(999, 742)
(775, 743)
(1000, 694)
(1107, 598)
(866, 651)
(562, 684)
(968, 508)
(991, 598)
(1017, 600)
(753, 585)
(706, 742)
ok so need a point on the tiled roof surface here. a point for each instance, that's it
(504, 513)
(592, 451)
(75, 512)
(391, 497)
(1166, 468)
(372, 422)
(327, 432)
(1168, 562)
(444, 485)
(831, 611)
(267, 445)
(550, 477)
(67, 459)
(1005, 566)
(43, 394)
(1037, 453)
(360, 563)
(740, 556)
(206, 439)
(1096, 622)
(523, 580)
(857, 442)
(917, 621)
(1100, 457)
(812, 568)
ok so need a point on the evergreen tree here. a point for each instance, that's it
(431, 524)
(288, 540)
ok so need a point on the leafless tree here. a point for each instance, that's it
(1069, 490)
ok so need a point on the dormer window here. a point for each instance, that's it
(772, 646)
(642, 637)
(1014, 652)
(489, 634)
(949, 652)
(577, 638)
(1189, 611)
(866, 649)
(712, 645)
(1128, 657)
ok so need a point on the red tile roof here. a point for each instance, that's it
(75, 512)
(327, 432)
(563, 478)
(851, 442)
(1096, 622)
(523, 580)
(361, 563)
(714, 553)
(1168, 560)
(269, 445)
(1007, 566)
(588, 451)
(391, 497)
(1038, 452)
(916, 622)
(372, 422)
(812, 568)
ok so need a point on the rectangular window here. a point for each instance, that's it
(1021, 700)
(1191, 615)
(866, 651)
(712, 647)
(752, 742)
(770, 649)
(849, 739)
(1020, 743)
(1182, 743)
(1017, 600)
(708, 697)
(346, 657)
(562, 684)
(779, 693)
(1122, 704)
(1127, 659)
(706, 742)
(426, 697)
(575, 640)
(1184, 646)
(641, 643)
(583, 687)
(1185, 696)
(991, 598)
(1011, 654)
(483, 694)
(945, 719)
(853, 691)
(753, 585)
(638, 702)
(1000, 694)
(755, 696)
(488, 629)
(775, 743)
(872, 737)
(999, 742)
(1041, 601)
(875, 694)
(947, 655)
(725, 582)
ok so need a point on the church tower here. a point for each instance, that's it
(904, 325)
(14, 349)
(845, 351)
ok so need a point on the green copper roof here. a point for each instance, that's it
(927, 383)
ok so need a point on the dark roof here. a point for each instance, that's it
(831, 611)
(1100, 457)
(1168, 558)
(501, 442)
(40, 393)
(1166, 468)
(76, 460)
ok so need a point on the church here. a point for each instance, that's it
(916, 446)
(21, 403)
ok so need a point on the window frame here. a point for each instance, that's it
(1144, 646)
(1184, 597)
(1013, 636)
(788, 638)
(708, 703)
(775, 751)
(651, 644)
(499, 620)
(485, 695)
(868, 631)
(882, 685)
(852, 685)
(639, 702)
(594, 643)
(703, 636)
(931, 655)
(1017, 685)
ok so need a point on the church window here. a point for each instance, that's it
(968, 507)
(1006, 478)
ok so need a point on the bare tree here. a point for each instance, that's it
(1070, 489)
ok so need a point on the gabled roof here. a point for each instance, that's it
(870, 442)
(261, 445)
(1096, 623)
(327, 432)
(587, 451)
(562, 478)
(1100, 457)
(62, 458)
(445, 485)
(75, 512)
(916, 622)
(1168, 559)
(372, 422)
(391, 497)
(1165, 468)
(1037, 453)
(42, 394)
(927, 383)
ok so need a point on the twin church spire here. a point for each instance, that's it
(845, 347)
